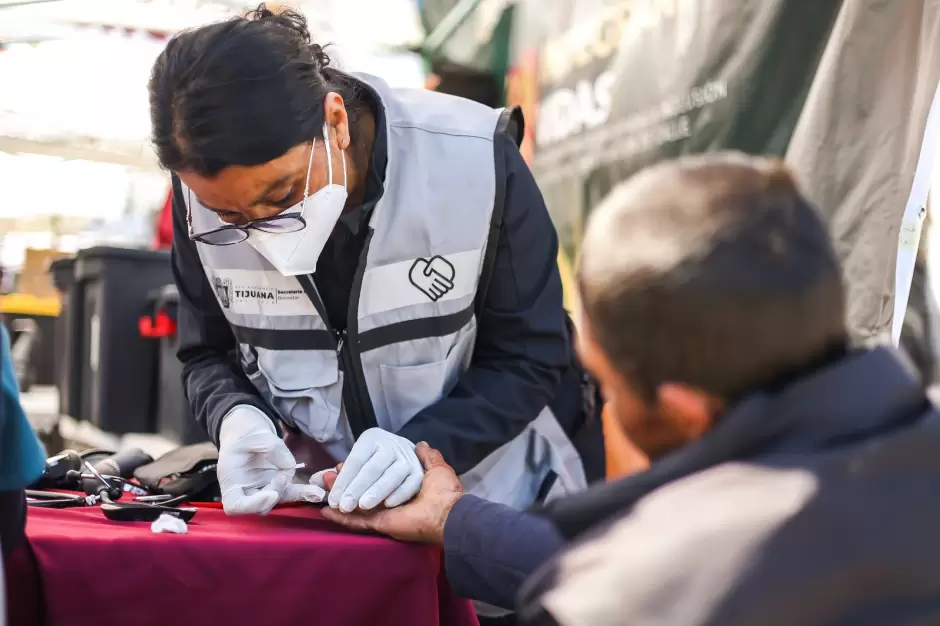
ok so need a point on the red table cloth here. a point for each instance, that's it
(289, 568)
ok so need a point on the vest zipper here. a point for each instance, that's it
(359, 409)
(363, 416)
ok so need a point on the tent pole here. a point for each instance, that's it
(448, 26)
(23, 3)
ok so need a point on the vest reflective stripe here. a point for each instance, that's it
(411, 330)
(276, 339)
(414, 329)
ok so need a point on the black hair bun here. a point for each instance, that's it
(283, 18)
(294, 21)
(321, 58)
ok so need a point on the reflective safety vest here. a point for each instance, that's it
(408, 340)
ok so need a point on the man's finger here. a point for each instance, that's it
(329, 477)
(429, 457)
(320, 478)
(355, 521)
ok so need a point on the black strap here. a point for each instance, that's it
(411, 330)
(512, 123)
(178, 197)
(277, 339)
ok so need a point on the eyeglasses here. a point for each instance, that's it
(229, 234)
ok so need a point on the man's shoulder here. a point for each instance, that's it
(689, 539)
(729, 499)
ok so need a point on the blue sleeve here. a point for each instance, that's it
(522, 347)
(490, 549)
(22, 458)
(213, 380)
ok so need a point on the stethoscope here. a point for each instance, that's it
(146, 507)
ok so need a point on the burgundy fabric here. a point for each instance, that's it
(23, 591)
(289, 568)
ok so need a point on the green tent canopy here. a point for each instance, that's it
(467, 45)
(840, 88)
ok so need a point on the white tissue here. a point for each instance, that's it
(166, 523)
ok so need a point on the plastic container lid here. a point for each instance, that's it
(169, 293)
(130, 254)
(65, 263)
(26, 304)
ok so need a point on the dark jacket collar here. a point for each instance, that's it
(860, 395)
(375, 179)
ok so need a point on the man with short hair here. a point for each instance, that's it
(793, 477)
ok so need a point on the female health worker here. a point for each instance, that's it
(367, 266)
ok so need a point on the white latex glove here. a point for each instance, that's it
(380, 467)
(255, 468)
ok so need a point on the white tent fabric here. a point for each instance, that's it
(864, 150)
(63, 95)
(84, 95)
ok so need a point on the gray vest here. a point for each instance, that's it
(410, 339)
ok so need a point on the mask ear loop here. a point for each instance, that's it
(343, 154)
(313, 148)
(329, 157)
(329, 154)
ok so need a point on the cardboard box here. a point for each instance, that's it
(35, 279)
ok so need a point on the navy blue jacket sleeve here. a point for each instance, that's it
(522, 345)
(213, 380)
(490, 549)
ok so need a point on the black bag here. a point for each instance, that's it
(187, 470)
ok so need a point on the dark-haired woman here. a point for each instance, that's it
(370, 267)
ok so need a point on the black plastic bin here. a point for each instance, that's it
(67, 337)
(175, 419)
(118, 365)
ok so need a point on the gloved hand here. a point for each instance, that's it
(380, 467)
(255, 468)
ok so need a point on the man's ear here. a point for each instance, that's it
(690, 410)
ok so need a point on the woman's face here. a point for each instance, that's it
(239, 194)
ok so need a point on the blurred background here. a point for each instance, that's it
(75, 163)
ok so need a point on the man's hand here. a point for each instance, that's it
(421, 520)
